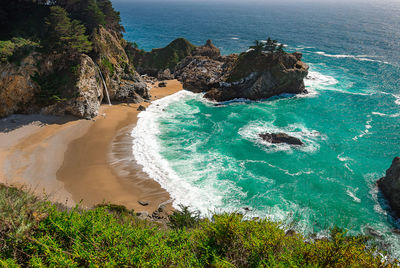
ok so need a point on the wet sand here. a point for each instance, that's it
(81, 161)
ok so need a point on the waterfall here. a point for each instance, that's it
(105, 86)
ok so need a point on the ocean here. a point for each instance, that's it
(209, 156)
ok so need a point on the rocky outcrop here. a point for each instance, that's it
(280, 138)
(123, 82)
(87, 93)
(17, 89)
(158, 60)
(199, 73)
(390, 186)
(208, 50)
(250, 75)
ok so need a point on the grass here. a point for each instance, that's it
(38, 234)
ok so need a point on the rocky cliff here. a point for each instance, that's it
(50, 83)
(123, 82)
(250, 75)
(17, 89)
(390, 186)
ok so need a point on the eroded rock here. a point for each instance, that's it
(390, 186)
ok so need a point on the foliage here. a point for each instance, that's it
(15, 49)
(65, 36)
(110, 236)
(56, 86)
(184, 218)
(107, 65)
(161, 58)
(258, 46)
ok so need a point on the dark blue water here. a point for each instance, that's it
(211, 158)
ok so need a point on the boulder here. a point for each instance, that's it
(280, 138)
(390, 186)
(165, 75)
(141, 108)
(162, 84)
(143, 203)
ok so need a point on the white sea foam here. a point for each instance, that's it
(352, 193)
(358, 57)
(235, 38)
(146, 150)
(346, 161)
(386, 115)
(315, 81)
(310, 138)
(367, 126)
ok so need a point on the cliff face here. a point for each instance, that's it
(87, 93)
(390, 186)
(17, 89)
(123, 82)
(52, 84)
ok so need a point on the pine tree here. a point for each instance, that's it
(64, 35)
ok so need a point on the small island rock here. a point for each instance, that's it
(280, 138)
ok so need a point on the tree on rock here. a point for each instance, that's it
(258, 46)
(271, 45)
(64, 35)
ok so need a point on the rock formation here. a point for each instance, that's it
(30, 86)
(123, 82)
(250, 75)
(280, 138)
(88, 93)
(208, 50)
(390, 186)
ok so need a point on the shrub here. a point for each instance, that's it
(109, 236)
(183, 218)
(15, 49)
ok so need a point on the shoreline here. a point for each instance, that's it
(84, 162)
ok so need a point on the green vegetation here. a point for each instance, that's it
(255, 59)
(56, 86)
(36, 233)
(107, 65)
(65, 35)
(15, 49)
(160, 58)
(61, 30)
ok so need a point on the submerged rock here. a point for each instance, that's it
(280, 138)
(390, 186)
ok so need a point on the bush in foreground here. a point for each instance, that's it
(36, 233)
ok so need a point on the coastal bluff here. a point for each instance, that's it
(255, 74)
(390, 186)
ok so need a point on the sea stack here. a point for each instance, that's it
(390, 186)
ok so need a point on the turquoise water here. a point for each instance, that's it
(210, 157)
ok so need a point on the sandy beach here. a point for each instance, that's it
(80, 161)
